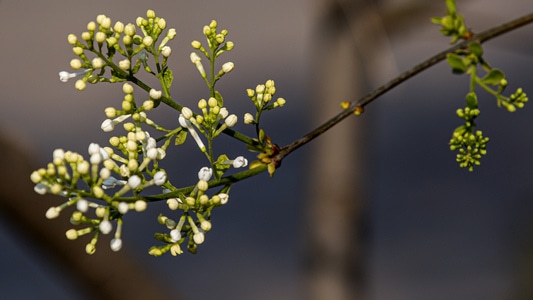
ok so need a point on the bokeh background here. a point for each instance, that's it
(426, 228)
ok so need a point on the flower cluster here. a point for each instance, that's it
(121, 177)
(469, 142)
(471, 147)
(86, 182)
(103, 36)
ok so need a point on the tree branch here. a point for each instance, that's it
(362, 102)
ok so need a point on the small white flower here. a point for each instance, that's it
(40, 189)
(64, 76)
(112, 182)
(160, 178)
(223, 198)
(240, 162)
(205, 174)
(108, 124)
(187, 124)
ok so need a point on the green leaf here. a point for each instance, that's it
(180, 137)
(476, 49)
(450, 4)
(494, 77)
(168, 77)
(220, 100)
(457, 63)
(220, 167)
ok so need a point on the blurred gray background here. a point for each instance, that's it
(423, 228)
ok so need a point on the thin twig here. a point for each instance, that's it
(362, 102)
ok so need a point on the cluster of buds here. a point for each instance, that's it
(516, 100)
(262, 99)
(118, 38)
(471, 147)
(217, 45)
(115, 179)
(85, 182)
(196, 203)
(213, 120)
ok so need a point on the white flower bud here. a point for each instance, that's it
(75, 64)
(105, 227)
(115, 244)
(134, 181)
(140, 205)
(124, 64)
(175, 235)
(53, 212)
(82, 205)
(123, 207)
(199, 238)
(248, 118)
(72, 39)
(166, 51)
(160, 178)
(148, 41)
(231, 120)
(227, 67)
